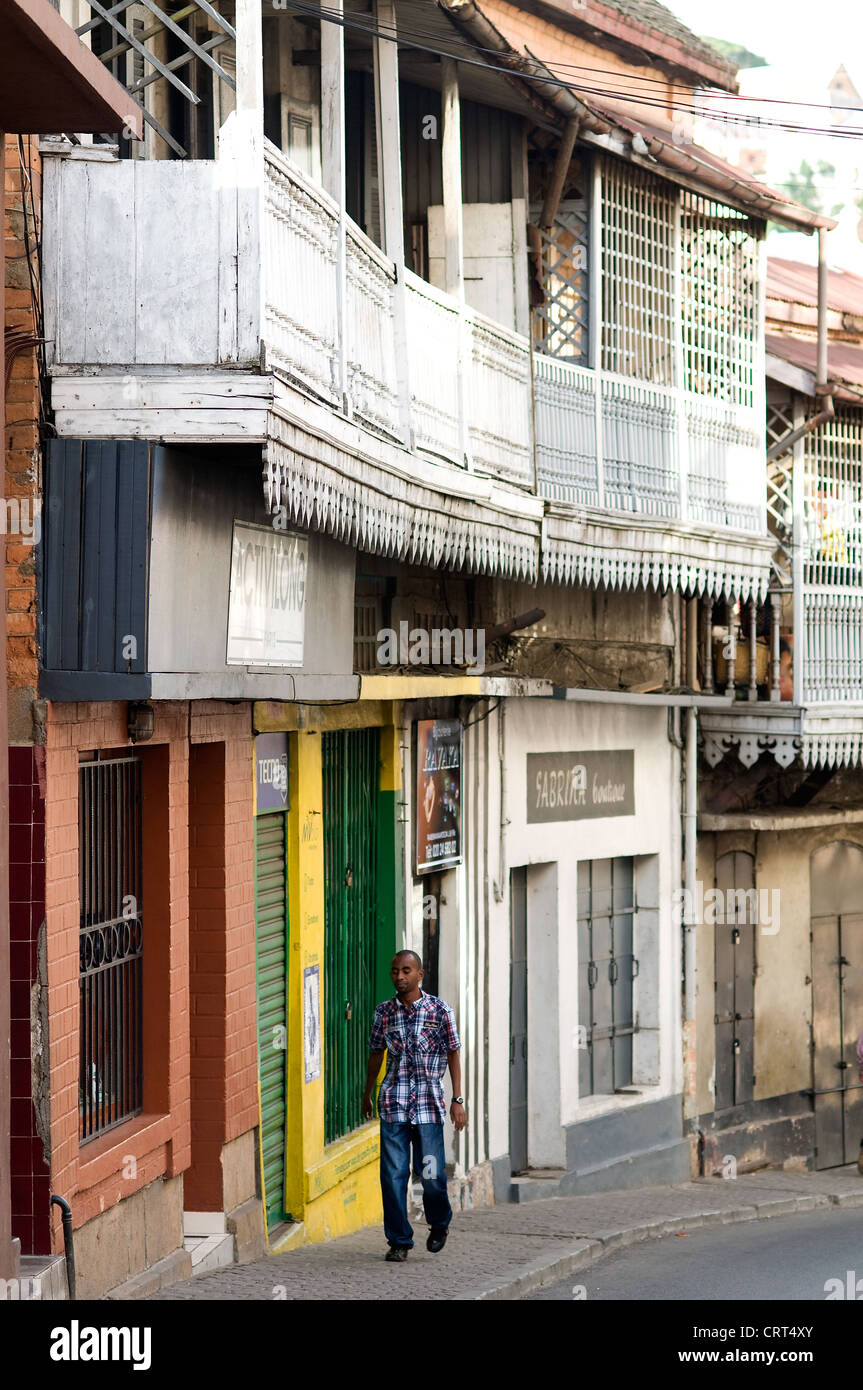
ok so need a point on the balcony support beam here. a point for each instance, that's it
(753, 649)
(454, 227)
(776, 657)
(333, 171)
(241, 140)
(798, 538)
(386, 78)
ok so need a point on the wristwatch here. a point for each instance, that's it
(458, 1100)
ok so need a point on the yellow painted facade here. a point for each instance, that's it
(330, 1190)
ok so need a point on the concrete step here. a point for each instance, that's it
(209, 1252)
(536, 1184)
(659, 1164)
(40, 1277)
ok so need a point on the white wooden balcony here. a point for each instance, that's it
(193, 266)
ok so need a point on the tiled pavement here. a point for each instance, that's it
(504, 1251)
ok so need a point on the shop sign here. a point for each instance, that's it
(438, 784)
(267, 608)
(580, 786)
(271, 772)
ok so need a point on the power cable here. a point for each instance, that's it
(407, 36)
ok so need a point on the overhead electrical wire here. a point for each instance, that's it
(408, 36)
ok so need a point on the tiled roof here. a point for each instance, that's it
(656, 16)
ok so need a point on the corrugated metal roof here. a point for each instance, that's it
(796, 283)
(660, 147)
(844, 360)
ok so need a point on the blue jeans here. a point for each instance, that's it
(397, 1139)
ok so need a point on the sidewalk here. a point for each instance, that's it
(506, 1251)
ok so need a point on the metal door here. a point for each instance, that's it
(518, 1021)
(271, 931)
(734, 979)
(351, 779)
(607, 967)
(837, 1001)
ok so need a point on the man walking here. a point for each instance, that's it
(418, 1032)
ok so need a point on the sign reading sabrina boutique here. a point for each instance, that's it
(267, 611)
(580, 786)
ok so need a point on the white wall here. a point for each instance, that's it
(652, 837)
(475, 920)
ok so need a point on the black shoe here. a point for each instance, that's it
(437, 1239)
(397, 1254)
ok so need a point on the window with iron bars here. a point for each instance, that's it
(110, 1088)
(607, 967)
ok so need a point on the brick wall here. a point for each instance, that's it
(30, 1177)
(222, 947)
(115, 1165)
(569, 55)
(200, 1056)
(21, 443)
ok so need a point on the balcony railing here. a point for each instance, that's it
(423, 370)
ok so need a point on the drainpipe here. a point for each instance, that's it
(690, 811)
(68, 1242)
(690, 823)
(500, 886)
(823, 390)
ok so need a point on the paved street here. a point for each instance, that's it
(789, 1259)
(511, 1251)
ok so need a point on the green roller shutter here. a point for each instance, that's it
(351, 779)
(271, 932)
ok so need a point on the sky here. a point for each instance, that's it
(782, 31)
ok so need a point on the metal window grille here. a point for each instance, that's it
(638, 236)
(195, 32)
(606, 970)
(833, 559)
(368, 622)
(780, 506)
(351, 777)
(110, 943)
(560, 323)
(720, 290)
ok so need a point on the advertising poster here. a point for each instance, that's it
(312, 1020)
(271, 772)
(438, 783)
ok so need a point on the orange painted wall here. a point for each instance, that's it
(190, 1069)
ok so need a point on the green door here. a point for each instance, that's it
(351, 776)
(271, 941)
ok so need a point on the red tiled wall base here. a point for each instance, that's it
(30, 1180)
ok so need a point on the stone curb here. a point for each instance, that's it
(548, 1269)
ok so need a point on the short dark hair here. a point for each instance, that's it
(407, 952)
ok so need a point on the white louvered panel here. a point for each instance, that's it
(638, 219)
(833, 559)
(721, 300)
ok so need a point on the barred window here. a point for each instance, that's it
(721, 300)
(111, 943)
(638, 233)
(607, 967)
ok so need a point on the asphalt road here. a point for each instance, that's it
(786, 1257)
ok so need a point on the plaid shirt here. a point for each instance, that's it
(417, 1040)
